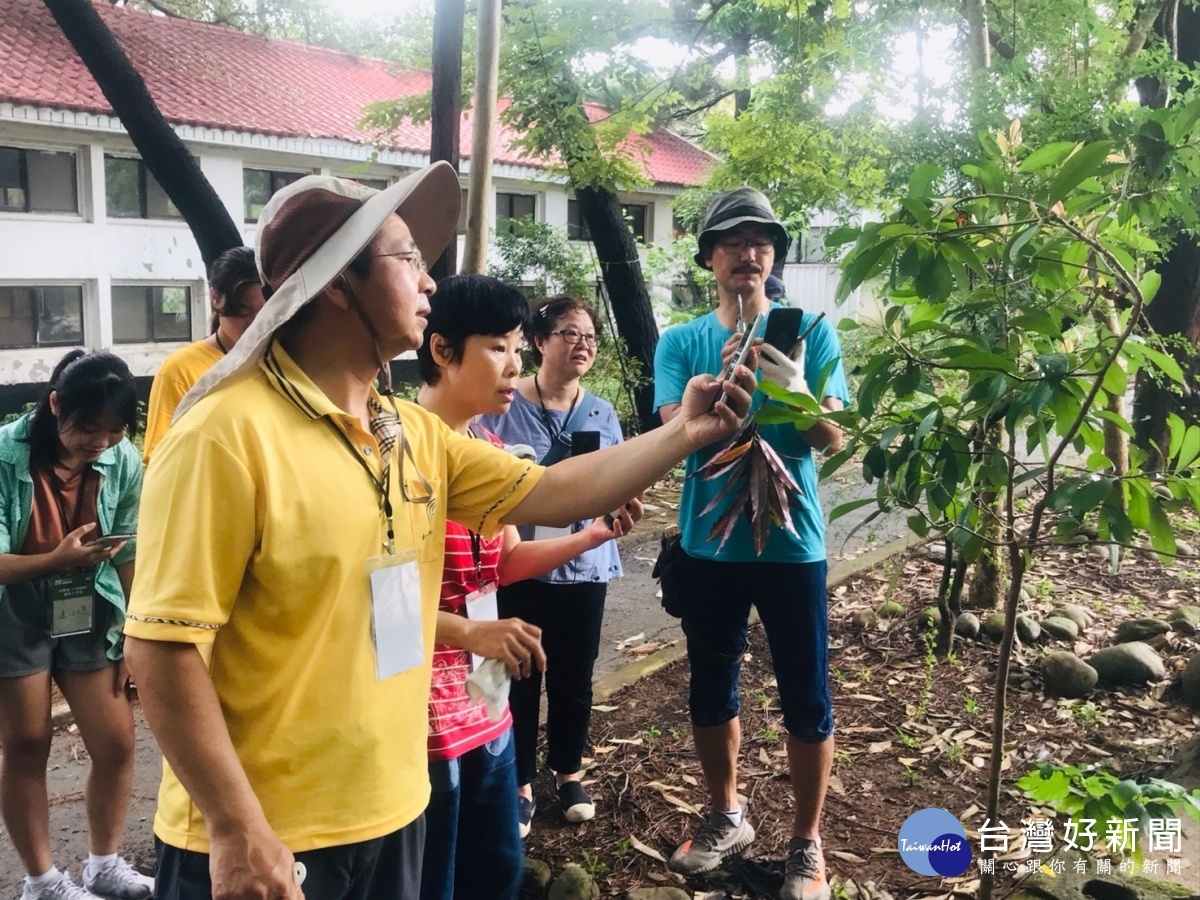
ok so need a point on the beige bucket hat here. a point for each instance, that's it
(311, 230)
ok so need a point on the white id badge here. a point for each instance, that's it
(396, 613)
(481, 607)
(549, 532)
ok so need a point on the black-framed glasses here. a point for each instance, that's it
(571, 336)
(413, 257)
(736, 246)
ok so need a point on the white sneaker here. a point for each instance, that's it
(63, 889)
(118, 880)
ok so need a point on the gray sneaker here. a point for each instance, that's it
(118, 881)
(804, 873)
(714, 842)
(63, 889)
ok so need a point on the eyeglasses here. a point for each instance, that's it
(736, 246)
(412, 257)
(571, 336)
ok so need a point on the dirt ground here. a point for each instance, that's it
(912, 732)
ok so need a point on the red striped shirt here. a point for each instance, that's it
(455, 726)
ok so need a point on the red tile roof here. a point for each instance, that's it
(219, 77)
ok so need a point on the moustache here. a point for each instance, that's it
(747, 270)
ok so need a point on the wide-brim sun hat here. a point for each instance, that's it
(740, 206)
(311, 230)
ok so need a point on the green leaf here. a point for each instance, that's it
(838, 511)
(1087, 162)
(1124, 792)
(1050, 155)
(1090, 495)
(1162, 538)
(1149, 285)
(920, 184)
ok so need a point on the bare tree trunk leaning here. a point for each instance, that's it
(446, 108)
(621, 270)
(483, 140)
(164, 154)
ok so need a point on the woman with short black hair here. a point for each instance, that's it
(70, 481)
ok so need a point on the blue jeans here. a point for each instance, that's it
(791, 602)
(472, 846)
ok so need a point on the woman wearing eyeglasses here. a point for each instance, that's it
(549, 410)
(235, 291)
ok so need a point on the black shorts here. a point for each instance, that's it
(25, 650)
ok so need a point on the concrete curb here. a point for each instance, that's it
(841, 571)
(634, 672)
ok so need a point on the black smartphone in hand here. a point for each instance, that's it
(584, 442)
(783, 327)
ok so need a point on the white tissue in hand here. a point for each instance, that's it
(490, 683)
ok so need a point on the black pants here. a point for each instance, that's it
(387, 868)
(569, 616)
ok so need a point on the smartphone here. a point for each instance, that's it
(611, 518)
(108, 540)
(783, 327)
(584, 442)
(741, 353)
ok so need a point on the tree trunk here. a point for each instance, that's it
(164, 154)
(987, 583)
(483, 139)
(741, 56)
(446, 108)
(621, 269)
(977, 24)
(1175, 311)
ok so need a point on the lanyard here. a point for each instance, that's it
(554, 435)
(385, 501)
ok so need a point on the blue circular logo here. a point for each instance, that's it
(933, 842)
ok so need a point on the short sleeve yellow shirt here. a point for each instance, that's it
(256, 525)
(174, 378)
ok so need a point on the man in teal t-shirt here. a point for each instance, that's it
(740, 241)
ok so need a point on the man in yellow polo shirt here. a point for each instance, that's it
(294, 518)
(236, 296)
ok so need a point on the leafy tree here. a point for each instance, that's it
(1033, 284)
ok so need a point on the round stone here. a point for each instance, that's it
(1028, 629)
(1060, 628)
(1140, 630)
(1131, 663)
(1191, 682)
(1066, 675)
(967, 626)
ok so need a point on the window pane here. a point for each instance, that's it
(61, 320)
(130, 315)
(635, 218)
(523, 205)
(158, 205)
(12, 193)
(256, 191)
(122, 189)
(171, 312)
(503, 207)
(462, 214)
(18, 326)
(576, 227)
(280, 180)
(51, 181)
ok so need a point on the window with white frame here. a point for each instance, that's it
(38, 181)
(634, 213)
(151, 313)
(132, 192)
(40, 315)
(260, 185)
(511, 207)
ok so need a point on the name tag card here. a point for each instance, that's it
(72, 603)
(396, 613)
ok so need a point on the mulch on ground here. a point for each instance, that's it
(912, 732)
